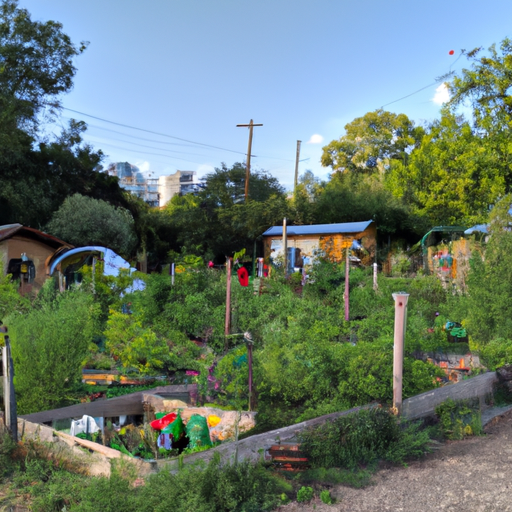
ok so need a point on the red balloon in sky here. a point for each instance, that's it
(451, 52)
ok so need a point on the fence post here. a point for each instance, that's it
(11, 417)
(400, 299)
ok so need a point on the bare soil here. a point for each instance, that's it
(473, 475)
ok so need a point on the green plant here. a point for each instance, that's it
(49, 345)
(460, 418)
(305, 494)
(362, 438)
(326, 497)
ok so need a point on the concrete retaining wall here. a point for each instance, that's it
(99, 459)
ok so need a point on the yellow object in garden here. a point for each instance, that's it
(213, 420)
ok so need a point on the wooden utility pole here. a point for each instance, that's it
(296, 168)
(251, 125)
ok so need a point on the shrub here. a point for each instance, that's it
(305, 494)
(363, 437)
(326, 497)
(460, 418)
(49, 345)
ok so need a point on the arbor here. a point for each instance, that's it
(83, 220)
(371, 142)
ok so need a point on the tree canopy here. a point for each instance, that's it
(371, 142)
(83, 220)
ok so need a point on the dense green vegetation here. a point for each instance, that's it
(34, 476)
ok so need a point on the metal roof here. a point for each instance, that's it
(320, 229)
(9, 230)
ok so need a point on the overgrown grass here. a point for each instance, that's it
(35, 477)
(460, 418)
(363, 438)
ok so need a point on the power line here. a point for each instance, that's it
(412, 94)
(134, 136)
(163, 135)
(149, 131)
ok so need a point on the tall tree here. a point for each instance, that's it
(452, 177)
(36, 65)
(217, 221)
(83, 220)
(486, 87)
(371, 142)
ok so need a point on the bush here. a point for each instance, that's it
(326, 498)
(49, 345)
(460, 418)
(362, 438)
(305, 494)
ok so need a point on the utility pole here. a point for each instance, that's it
(251, 125)
(296, 168)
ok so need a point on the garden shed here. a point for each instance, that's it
(304, 243)
(26, 254)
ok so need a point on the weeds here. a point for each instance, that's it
(361, 439)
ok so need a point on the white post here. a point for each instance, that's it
(172, 274)
(375, 284)
(400, 299)
(285, 248)
(11, 416)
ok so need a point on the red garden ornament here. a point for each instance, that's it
(243, 276)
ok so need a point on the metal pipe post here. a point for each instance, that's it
(400, 299)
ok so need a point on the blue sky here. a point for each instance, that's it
(194, 69)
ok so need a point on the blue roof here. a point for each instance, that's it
(482, 228)
(319, 229)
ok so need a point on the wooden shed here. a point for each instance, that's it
(26, 253)
(305, 243)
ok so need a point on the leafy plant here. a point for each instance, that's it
(305, 494)
(460, 418)
(326, 497)
(362, 438)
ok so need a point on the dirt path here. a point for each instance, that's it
(474, 475)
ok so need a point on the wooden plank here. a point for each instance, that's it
(127, 405)
(96, 447)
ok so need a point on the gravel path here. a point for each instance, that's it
(474, 475)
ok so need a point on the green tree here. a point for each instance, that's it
(226, 186)
(452, 177)
(83, 220)
(486, 87)
(351, 198)
(371, 142)
(490, 281)
(49, 345)
(36, 66)
(218, 221)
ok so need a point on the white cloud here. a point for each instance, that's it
(143, 166)
(442, 94)
(204, 169)
(315, 139)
